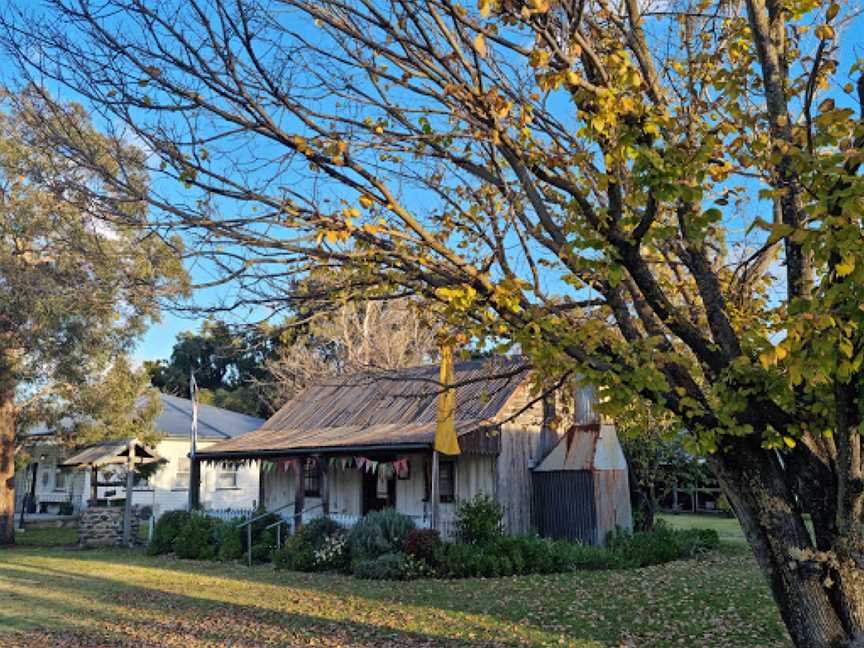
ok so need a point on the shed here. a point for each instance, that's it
(581, 489)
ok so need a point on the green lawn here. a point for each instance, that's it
(59, 537)
(46, 537)
(727, 528)
(63, 597)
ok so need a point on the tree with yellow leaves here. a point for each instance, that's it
(664, 200)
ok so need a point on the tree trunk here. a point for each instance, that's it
(812, 591)
(642, 501)
(7, 464)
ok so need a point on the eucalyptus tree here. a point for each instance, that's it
(77, 285)
(664, 199)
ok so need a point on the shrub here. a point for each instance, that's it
(387, 566)
(459, 560)
(295, 554)
(227, 536)
(413, 567)
(166, 530)
(479, 521)
(523, 555)
(317, 530)
(320, 545)
(260, 530)
(264, 545)
(661, 545)
(511, 548)
(231, 548)
(379, 533)
(333, 553)
(195, 540)
(422, 544)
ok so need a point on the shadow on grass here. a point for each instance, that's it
(46, 604)
(522, 610)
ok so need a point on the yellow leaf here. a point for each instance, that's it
(485, 7)
(539, 6)
(845, 267)
(824, 32)
(480, 45)
(766, 359)
(789, 441)
(780, 352)
(538, 57)
(833, 10)
(366, 201)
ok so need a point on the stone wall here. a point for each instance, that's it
(103, 527)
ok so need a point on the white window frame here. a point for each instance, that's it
(60, 484)
(181, 476)
(227, 477)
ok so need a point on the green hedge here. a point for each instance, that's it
(165, 532)
(385, 545)
(533, 555)
(200, 537)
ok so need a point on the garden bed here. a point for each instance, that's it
(385, 545)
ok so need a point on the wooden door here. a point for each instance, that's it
(371, 499)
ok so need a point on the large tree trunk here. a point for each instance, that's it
(817, 592)
(7, 464)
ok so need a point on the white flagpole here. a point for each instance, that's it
(193, 396)
(193, 438)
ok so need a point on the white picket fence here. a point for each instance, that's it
(231, 514)
(446, 525)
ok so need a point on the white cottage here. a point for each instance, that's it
(61, 481)
(364, 442)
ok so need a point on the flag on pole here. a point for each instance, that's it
(445, 429)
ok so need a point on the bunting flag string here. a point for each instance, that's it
(397, 467)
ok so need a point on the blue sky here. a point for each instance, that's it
(159, 340)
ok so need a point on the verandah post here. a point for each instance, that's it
(324, 475)
(94, 485)
(299, 491)
(130, 489)
(194, 484)
(434, 491)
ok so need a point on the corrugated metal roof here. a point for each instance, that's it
(593, 447)
(108, 452)
(384, 408)
(213, 422)
(176, 421)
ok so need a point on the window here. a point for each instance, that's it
(181, 479)
(226, 478)
(447, 481)
(311, 479)
(59, 479)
